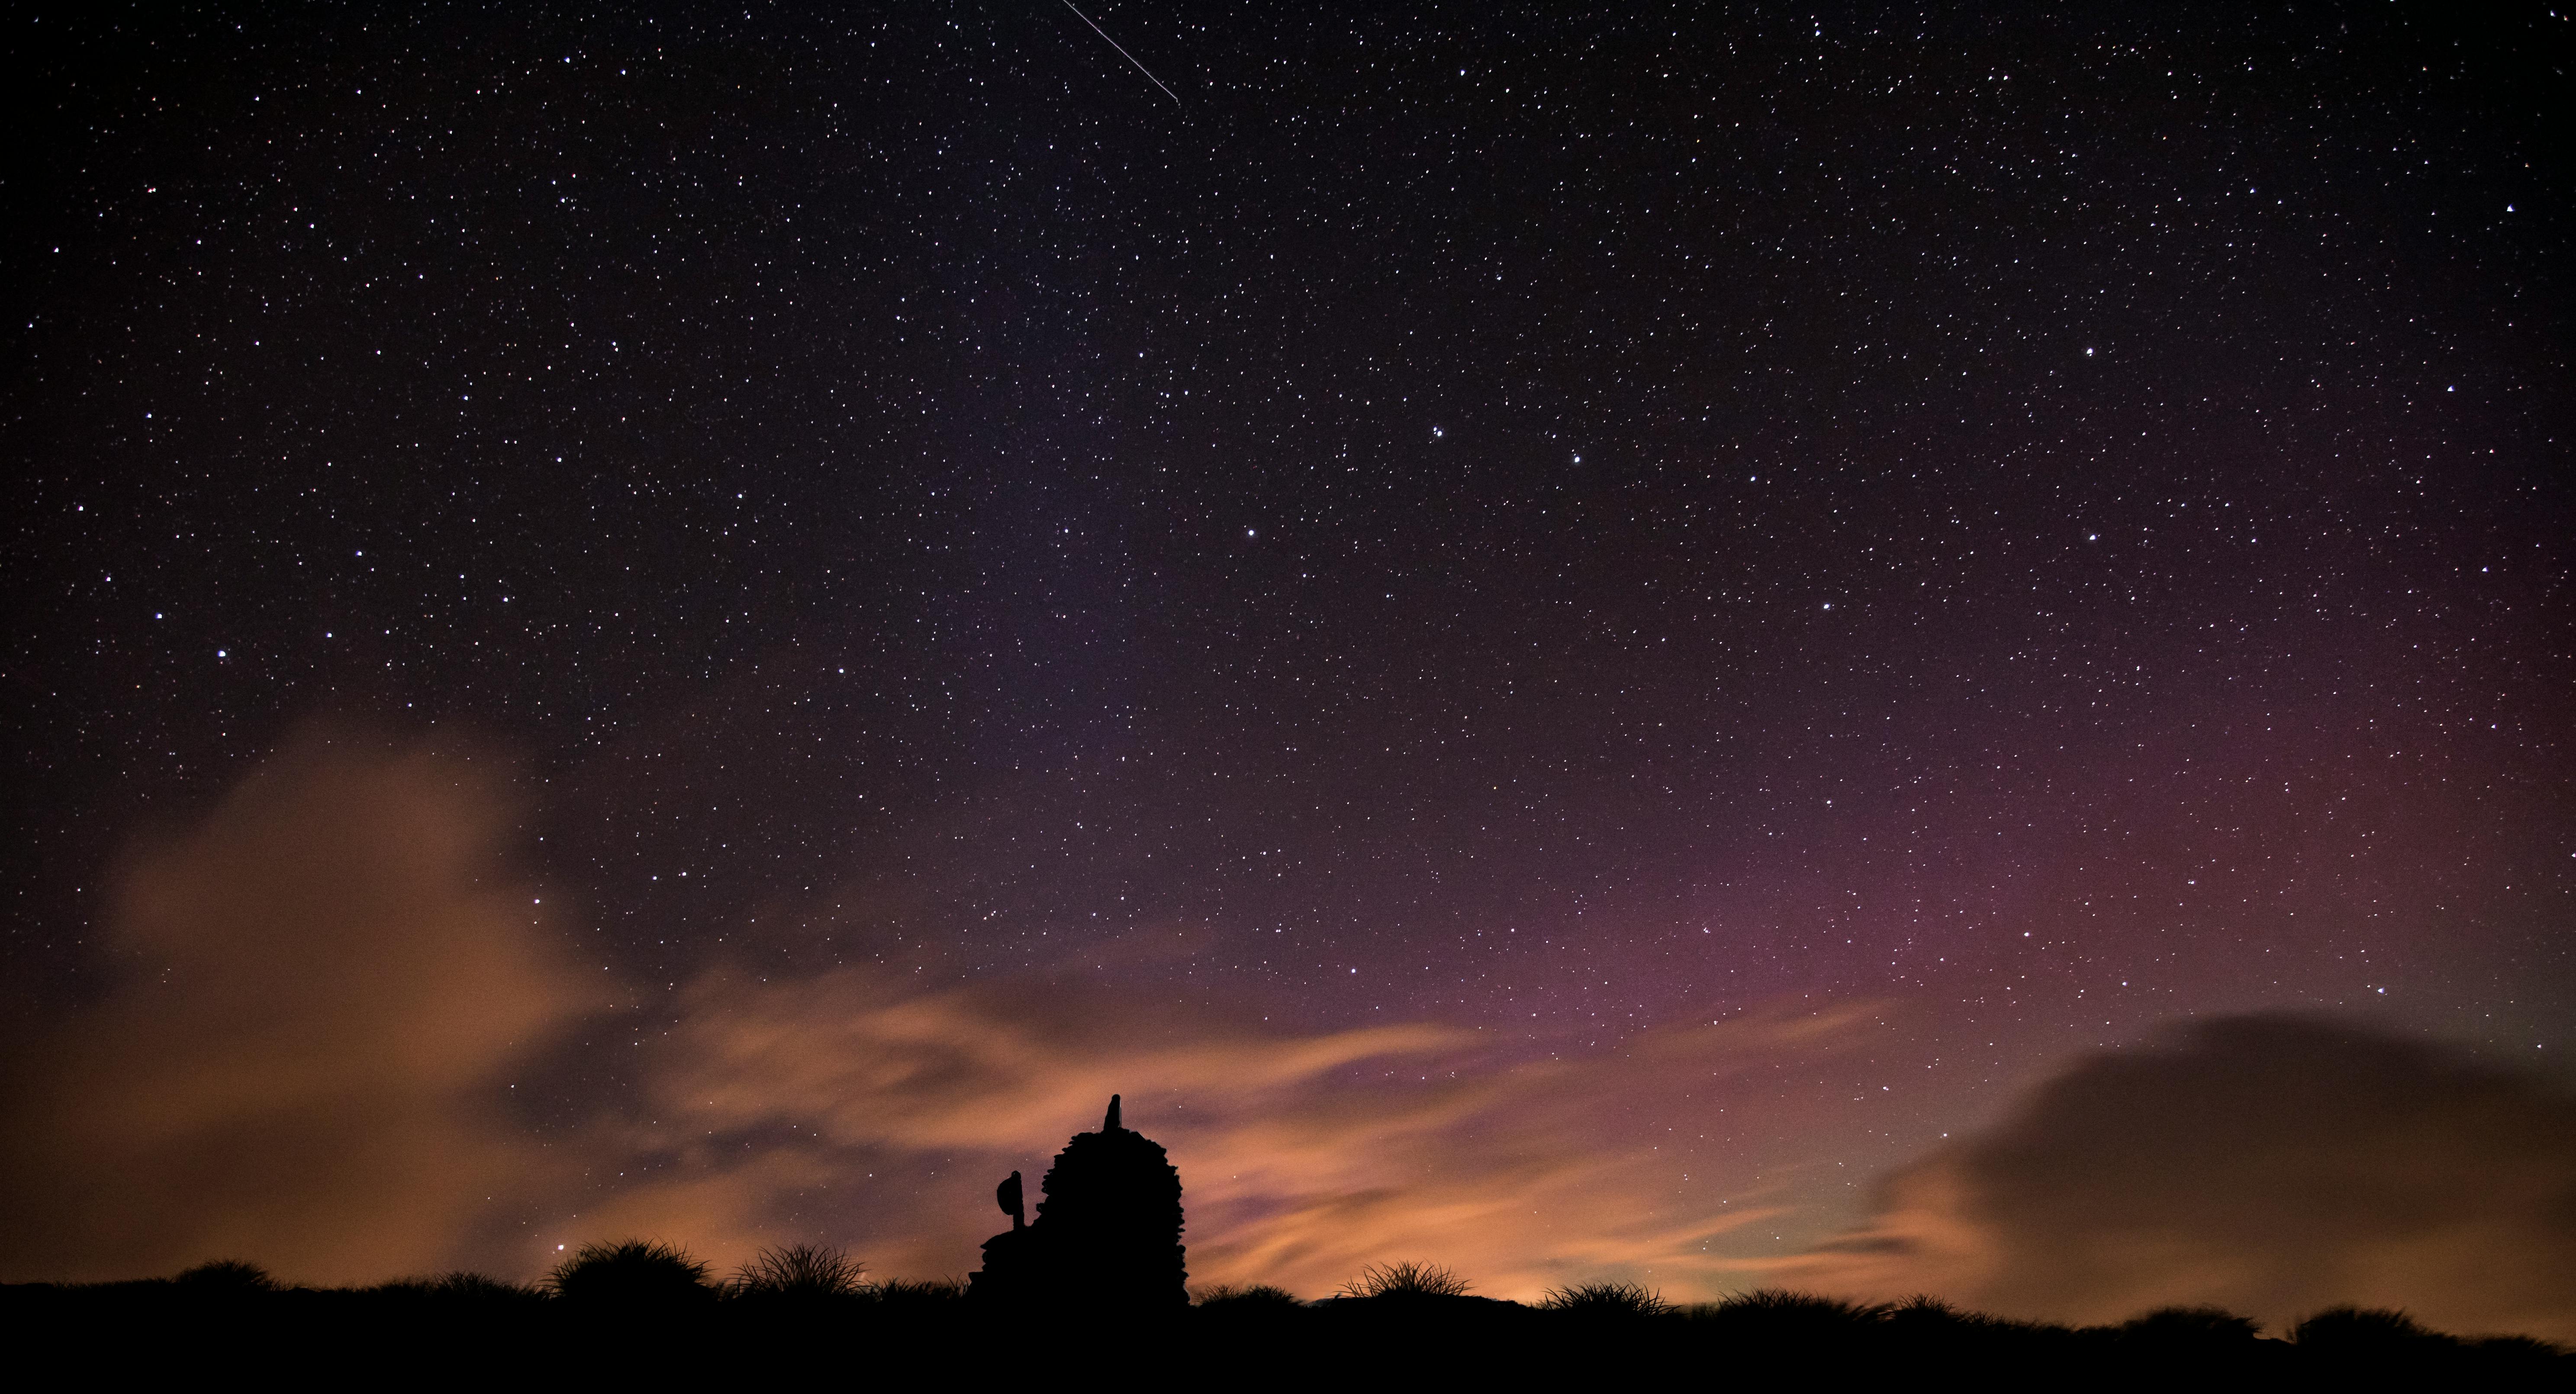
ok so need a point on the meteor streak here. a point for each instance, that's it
(1123, 53)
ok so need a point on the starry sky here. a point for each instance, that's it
(1466, 546)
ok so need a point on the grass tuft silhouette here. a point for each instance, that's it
(2361, 1329)
(1928, 1323)
(1255, 1295)
(631, 1272)
(227, 1275)
(460, 1288)
(1781, 1316)
(476, 1285)
(1923, 1307)
(2188, 1331)
(1783, 1302)
(920, 1291)
(806, 1272)
(1607, 1300)
(1407, 1279)
(2190, 1326)
(2528, 1350)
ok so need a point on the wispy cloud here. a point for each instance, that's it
(326, 980)
(318, 986)
(1306, 1156)
(2272, 1165)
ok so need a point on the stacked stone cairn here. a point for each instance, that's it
(1107, 1235)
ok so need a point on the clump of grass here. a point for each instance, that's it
(228, 1275)
(2191, 1325)
(1783, 1300)
(1253, 1295)
(1607, 1300)
(800, 1272)
(630, 1272)
(923, 1291)
(1407, 1279)
(460, 1286)
(1924, 1307)
(1780, 1314)
(1924, 1313)
(477, 1285)
(2520, 1348)
(2363, 1329)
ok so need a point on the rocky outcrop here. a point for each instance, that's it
(1107, 1234)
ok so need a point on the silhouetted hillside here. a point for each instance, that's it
(650, 1312)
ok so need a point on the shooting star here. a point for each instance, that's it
(1123, 53)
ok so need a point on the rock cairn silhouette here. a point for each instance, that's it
(1108, 1233)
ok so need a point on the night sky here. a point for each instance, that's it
(1458, 554)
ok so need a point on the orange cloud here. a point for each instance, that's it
(2271, 1165)
(318, 986)
(886, 1113)
(325, 981)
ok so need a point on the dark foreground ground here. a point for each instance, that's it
(458, 1332)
